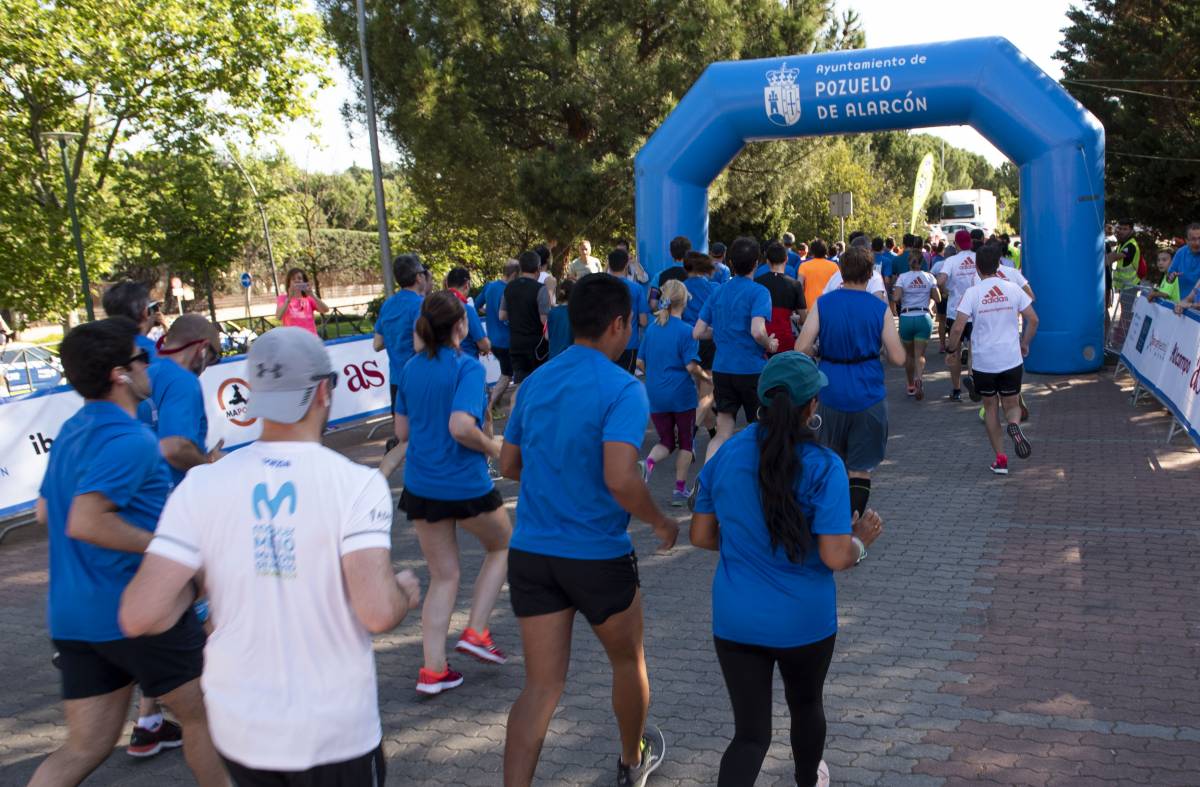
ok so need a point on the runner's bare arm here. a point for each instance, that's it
(702, 331)
(891, 342)
(41, 514)
(93, 518)
(467, 433)
(510, 461)
(377, 342)
(624, 482)
(839, 553)
(1030, 319)
(758, 329)
(705, 532)
(697, 371)
(158, 595)
(808, 334)
(955, 340)
(379, 598)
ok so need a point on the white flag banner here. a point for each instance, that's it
(29, 424)
(1162, 351)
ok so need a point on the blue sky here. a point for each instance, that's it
(1034, 26)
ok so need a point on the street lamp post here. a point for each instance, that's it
(262, 213)
(385, 246)
(62, 137)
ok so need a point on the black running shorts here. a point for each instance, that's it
(733, 392)
(1006, 383)
(367, 770)
(542, 584)
(159, 664)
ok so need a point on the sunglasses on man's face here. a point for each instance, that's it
(142, 356)
(332, 377)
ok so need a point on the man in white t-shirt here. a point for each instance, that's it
(998, 349)
(293, 543)
(874, 285)
(956, 276)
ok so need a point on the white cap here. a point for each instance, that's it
(284, 367)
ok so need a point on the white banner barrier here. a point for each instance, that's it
(1162, 351)
(29, 424)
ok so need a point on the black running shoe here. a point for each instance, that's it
(968, 382)
(1020, 443)
(654, 747)
(147, 743)
(956, 395)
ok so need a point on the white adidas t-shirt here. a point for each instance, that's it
(994, 306)
(915, 286)
(289, 673)
(1012, 274)
(960, 274)
(874, 284)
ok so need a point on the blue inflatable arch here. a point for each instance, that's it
(985, 82)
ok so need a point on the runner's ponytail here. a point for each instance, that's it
(672, 294)
(781, 429)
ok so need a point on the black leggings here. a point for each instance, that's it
(749, 670)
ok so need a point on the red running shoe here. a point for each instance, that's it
(435, 683)
(1000, 466)
(147, 743)
(480, 646)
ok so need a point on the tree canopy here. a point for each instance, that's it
(1135, 65)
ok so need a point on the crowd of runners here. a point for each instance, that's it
(240, 591)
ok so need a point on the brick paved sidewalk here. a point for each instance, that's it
(1039, 629)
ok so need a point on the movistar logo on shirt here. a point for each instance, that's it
(274, 547)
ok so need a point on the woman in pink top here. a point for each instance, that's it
(297, 307)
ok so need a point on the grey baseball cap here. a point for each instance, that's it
(284, 367)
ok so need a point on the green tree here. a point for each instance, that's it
(182, 213)
(520, 119)
(119, 71)
(1134, 64)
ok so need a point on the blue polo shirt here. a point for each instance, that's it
(566, 411)
(395, 324)
(759, 597)
(144, 342)
(640, 307)
(99, 449)
(175, 407)
(667, 350)
(470, 342)
(430, 389)
(730, 311)
(701, 289)
(1187, 265)
(497, 330)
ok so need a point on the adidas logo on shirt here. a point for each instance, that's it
(994, 295)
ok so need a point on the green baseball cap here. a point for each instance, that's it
(796, 373)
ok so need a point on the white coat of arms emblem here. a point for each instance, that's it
(781, 96)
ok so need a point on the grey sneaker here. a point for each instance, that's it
(654, 747)
(679, 498)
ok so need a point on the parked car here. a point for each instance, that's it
(28, 368)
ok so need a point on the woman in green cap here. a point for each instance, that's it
(776, 505)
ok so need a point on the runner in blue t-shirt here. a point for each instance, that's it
(497, 329)
(441, 414)
(175, 407)
(735, 318)
(394, 332)
(774, 504)
(558, 321)
(721, 272)
(476, 342)
(618, 266)
(573, 441)
(1185, 267)
(104, 488)
(671, 360)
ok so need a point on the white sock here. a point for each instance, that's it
(150, 722)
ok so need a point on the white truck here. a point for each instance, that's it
(970, 207)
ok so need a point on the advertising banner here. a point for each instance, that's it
(29, 424)
(1162, 351)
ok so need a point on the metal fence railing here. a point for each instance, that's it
(1120, 316)
(347, 320)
